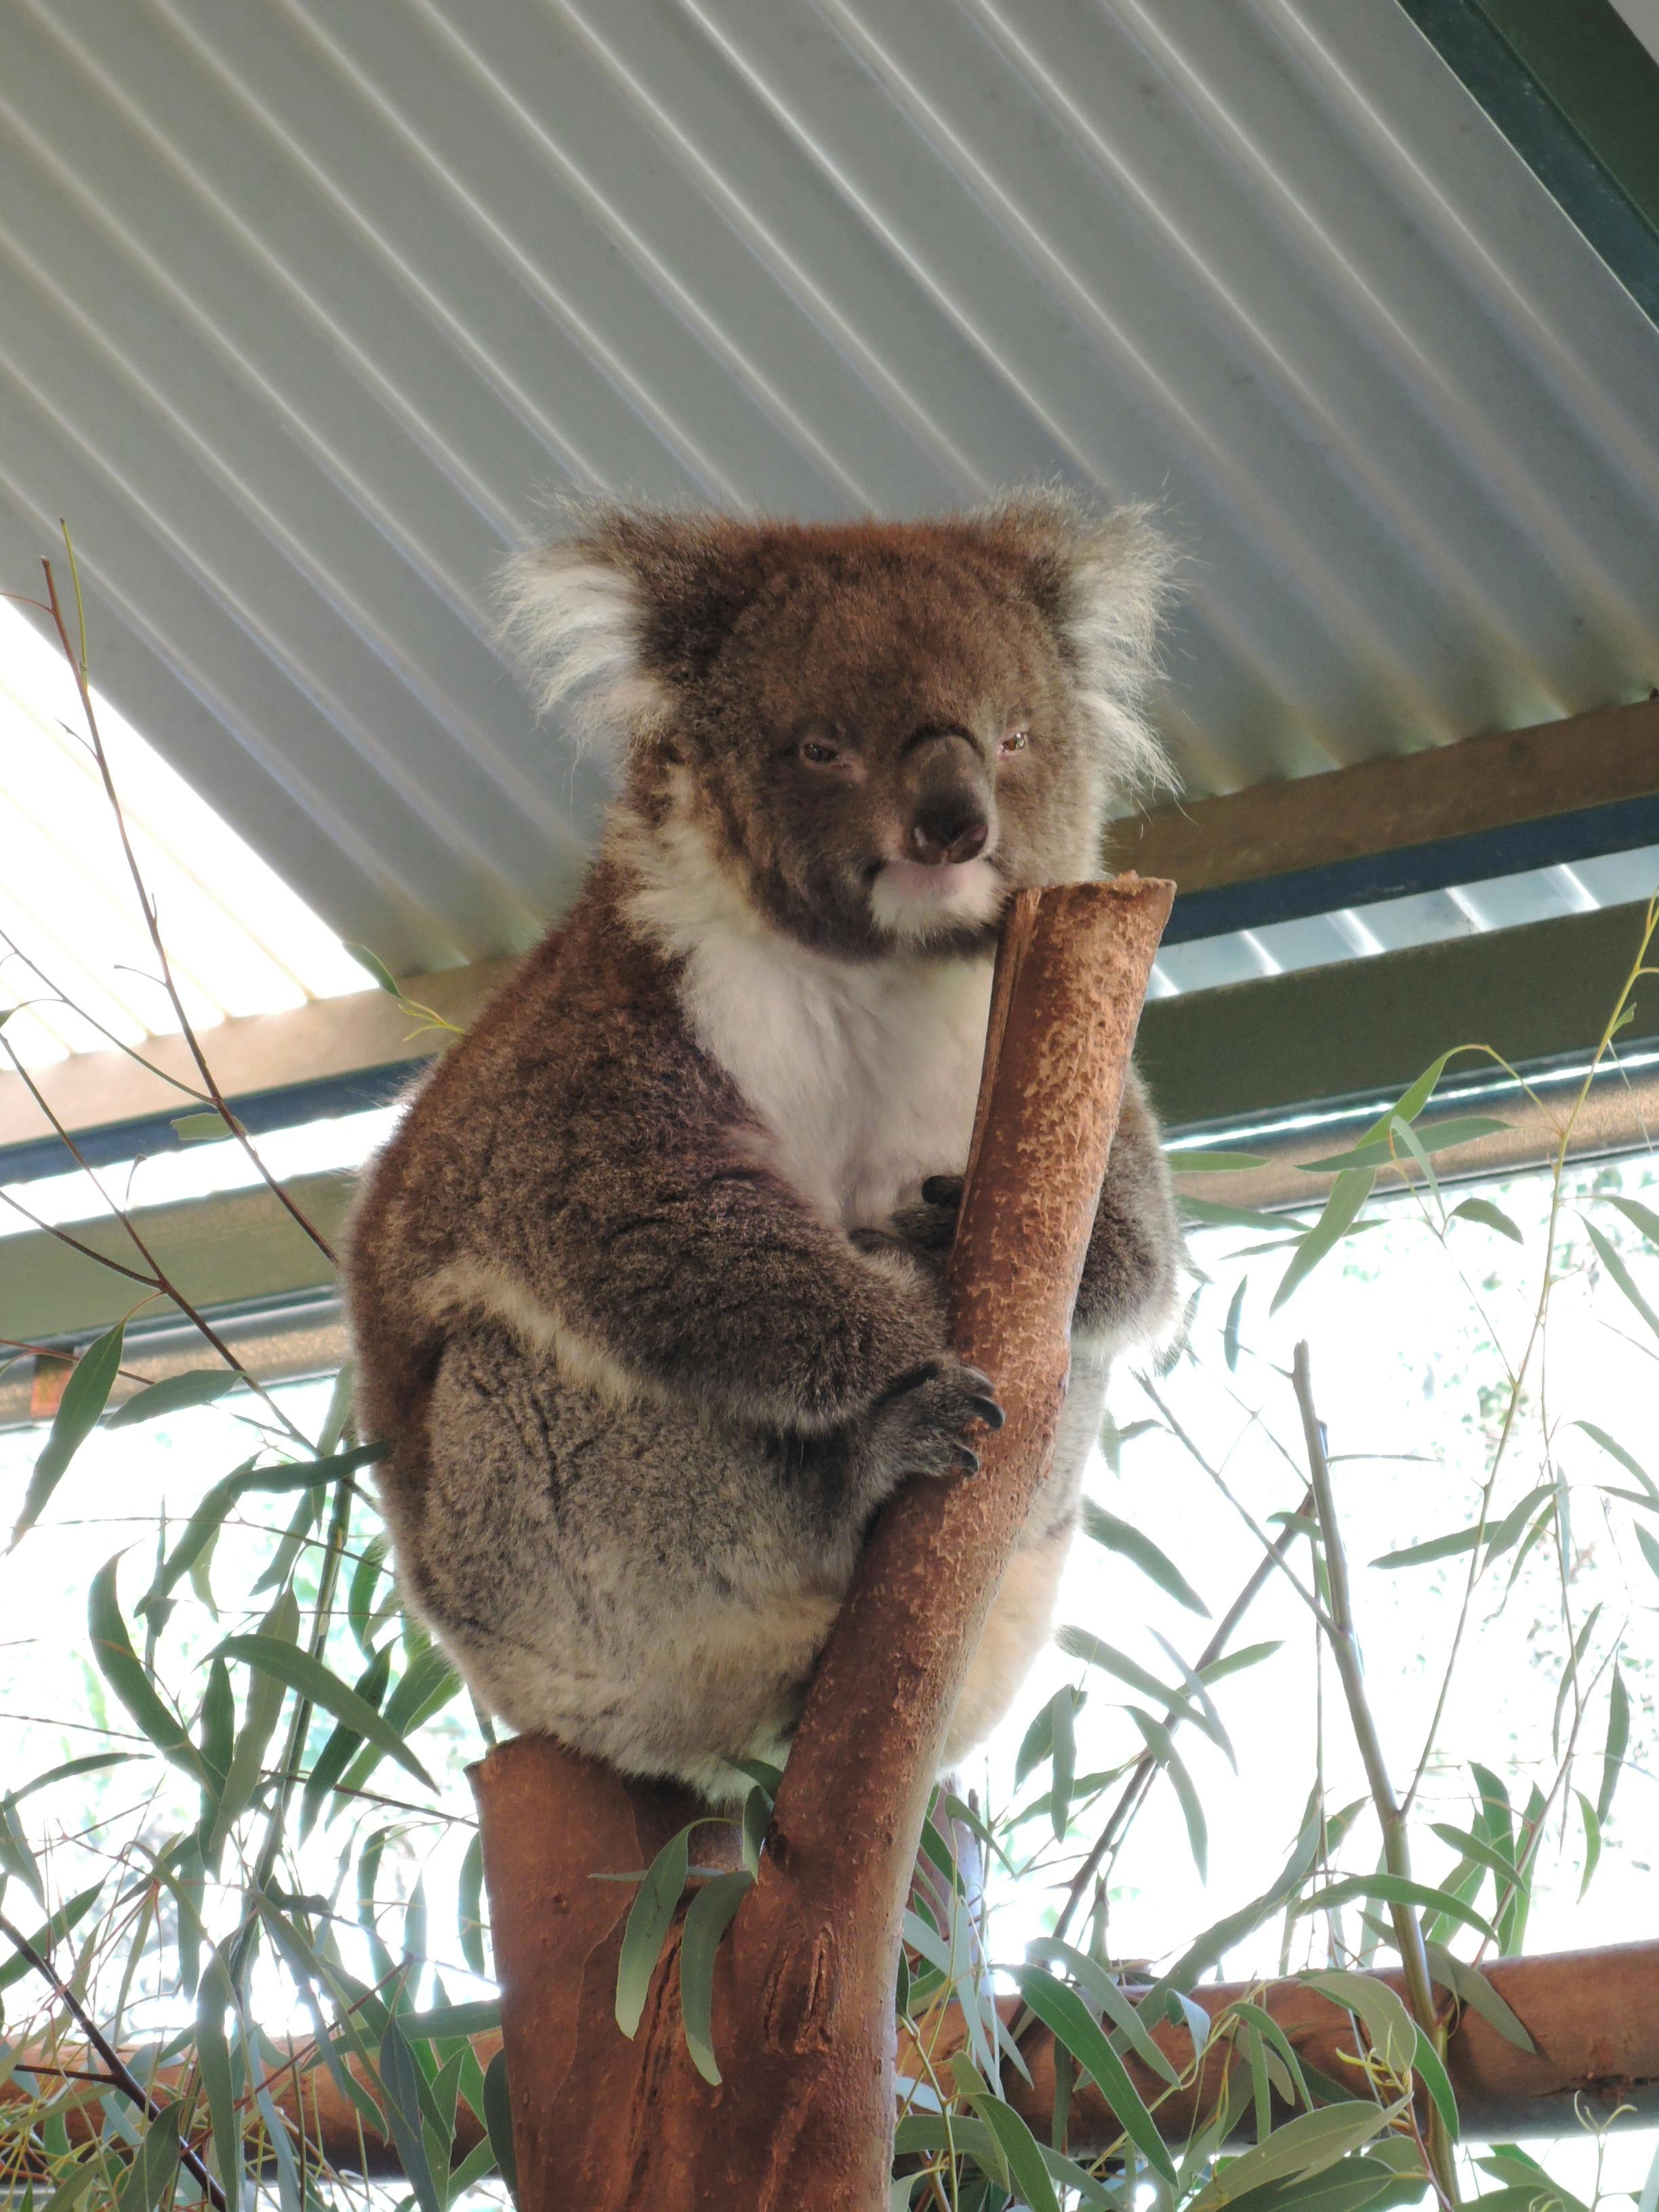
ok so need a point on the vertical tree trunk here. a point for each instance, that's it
(804, 2022)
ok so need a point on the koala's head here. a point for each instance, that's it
(871, 732)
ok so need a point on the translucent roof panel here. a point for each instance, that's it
(71, 927)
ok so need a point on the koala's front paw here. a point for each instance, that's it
(916, 1424)
(930, 1226)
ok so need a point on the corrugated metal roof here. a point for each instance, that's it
(309, 303)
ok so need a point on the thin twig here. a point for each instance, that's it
(1396, 1849)
(77, 663)
(1141, 1774)
(157, 1280)
(120, 2072)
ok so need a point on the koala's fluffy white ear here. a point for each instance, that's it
(573, 614)
(1103, 582)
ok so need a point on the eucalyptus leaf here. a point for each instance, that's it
(1133, 1544)
(175, 1394)
(85, 1395)
(300, 1671)
(1613, 1260)
(1489, 1216)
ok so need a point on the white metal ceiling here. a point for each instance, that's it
(307, 304)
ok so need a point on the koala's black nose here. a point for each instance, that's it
(948, 828)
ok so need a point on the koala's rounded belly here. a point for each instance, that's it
(654, 1591)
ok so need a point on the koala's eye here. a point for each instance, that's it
(1015, 742)
(819, 751)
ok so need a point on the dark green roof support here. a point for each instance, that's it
(1577, 93)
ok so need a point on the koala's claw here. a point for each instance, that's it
(919, 1419)
(942, 1191)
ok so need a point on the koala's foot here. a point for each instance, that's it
(915, 1427)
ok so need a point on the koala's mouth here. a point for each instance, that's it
(907, 897)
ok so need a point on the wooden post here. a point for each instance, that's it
(804, 2021)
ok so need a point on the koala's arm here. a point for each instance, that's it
(628, 1197)
(1131, 1272)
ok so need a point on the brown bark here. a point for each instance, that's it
(804, 2023)
(1593, 2014)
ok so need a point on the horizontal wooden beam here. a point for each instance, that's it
(1486, 806)
(1590, 2014)
(255, 1057)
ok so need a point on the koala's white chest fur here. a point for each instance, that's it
(864, 1073)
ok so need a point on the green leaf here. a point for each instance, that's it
(648, 1920)
(197, 1386)
(1019, 2148)
(1489, 1216)
(149, 2177)
(1437, 1547)
(1393, 1889)
(1432, 2068)
(483, 2016)
(707, 1918)
(1650, 1550)
(89, 1765)
(205, 1127)
(498, 2118)
(301, 1672)
(1123, 1537)
(264, 1706)
(1101, 1991)
(1613, 1260)
(1613, 1757)
(1471, 1988)
(1210, 1213)
(214, 1998)
(1083, 1643)
(399, 2079)
(1234, 1662)
(85, 1395)
(1374, 1151)
(1199, 1163)
(1063, 1738)
(1639, 1216)
(332, 1760)
(118, 1663)
(1271, 2033)
(1388, 2026)
(468, 1907)
(1616, 1451)
(1592, 1840)
(1162, 1747)
(1229, 1332)
(377, 968)
(1472, 1847)
(1063, 2011)
(67, 1915)
(1201, 1697)
(1303, 2147)
(1348, 1194)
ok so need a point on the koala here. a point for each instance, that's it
(645, 1286)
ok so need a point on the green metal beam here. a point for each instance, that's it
(1577, 94)
(1363, 1027)
(238, 1246)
